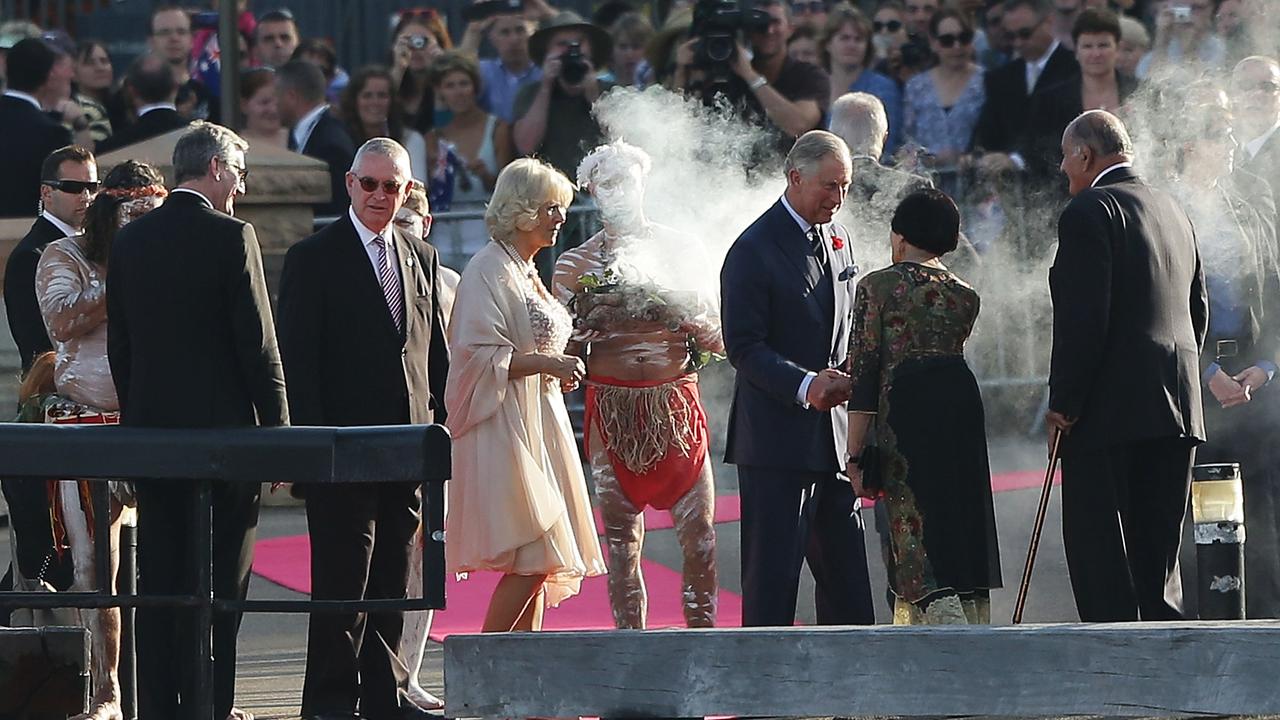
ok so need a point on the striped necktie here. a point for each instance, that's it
(390, 284)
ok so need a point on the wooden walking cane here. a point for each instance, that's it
(1037, 528)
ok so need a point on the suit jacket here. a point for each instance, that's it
(27, 136)
(346, 361)
(1053, 107)
(330, 142)
(1266, 164)
(20, 302)
(189, 330)
(780, 321)
(155, 123)
(1130, 313)
(1004, 116)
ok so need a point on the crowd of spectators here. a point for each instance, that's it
(976, 92)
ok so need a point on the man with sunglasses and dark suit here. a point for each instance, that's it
(38, 76)
(68, 181)
(313, 129)
(362, 337)
(1041, 62)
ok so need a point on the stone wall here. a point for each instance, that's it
(281, 187)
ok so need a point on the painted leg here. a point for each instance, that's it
(624, 538)
(417, 628)
(694, 516)
(103, 624)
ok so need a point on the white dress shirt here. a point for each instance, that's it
(802, 393)
(302, 131)
(24, 96)
(1254, 146)
(1117, 166)
(65, 229)
(156, 106)
(371, 248)
(1036, 68)
(203, 198)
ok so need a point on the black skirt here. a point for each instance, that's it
(937, 481)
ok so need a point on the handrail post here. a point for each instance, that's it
(203, 542)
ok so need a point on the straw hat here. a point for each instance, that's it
(601, 43)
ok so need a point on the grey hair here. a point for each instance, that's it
(860, 120)
(811, 148)
(1101, 132)
(611, 156)
(386, 147)
(202, 142)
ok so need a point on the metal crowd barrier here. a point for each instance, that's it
(413, 453)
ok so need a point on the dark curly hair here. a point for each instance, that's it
(101, 221)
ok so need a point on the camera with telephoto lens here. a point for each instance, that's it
(717, 26)
(417, 42)
(573, 64)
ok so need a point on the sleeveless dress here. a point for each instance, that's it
(458, 241)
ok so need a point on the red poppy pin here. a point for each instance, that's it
(837, 242)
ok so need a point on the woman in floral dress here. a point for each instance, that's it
(912, 384)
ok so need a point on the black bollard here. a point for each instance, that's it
(1217, 507)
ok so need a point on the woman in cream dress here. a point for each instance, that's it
(518, 501)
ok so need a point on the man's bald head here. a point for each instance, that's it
(1255, 95)
(860, 120)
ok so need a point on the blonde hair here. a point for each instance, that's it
(417, 198)
(522, 189)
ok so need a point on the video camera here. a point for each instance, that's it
(717, 25)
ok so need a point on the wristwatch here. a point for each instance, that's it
(758, 83)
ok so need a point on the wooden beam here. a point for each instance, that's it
(44, 672)
(1137, 669)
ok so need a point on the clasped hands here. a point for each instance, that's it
(1233, 390)
(828, 389)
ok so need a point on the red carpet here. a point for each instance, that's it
(286, 561)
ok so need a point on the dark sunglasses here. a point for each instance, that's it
(949, 40)
(1023, 34)
(73, 187)
(891, 26)
(812, 7)
(368, 184)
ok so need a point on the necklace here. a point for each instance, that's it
(511, 252)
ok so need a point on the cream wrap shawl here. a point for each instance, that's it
(518, 500)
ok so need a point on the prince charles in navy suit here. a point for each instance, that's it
(786, 296)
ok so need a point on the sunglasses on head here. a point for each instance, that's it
(1023, 34)
(73, 187)
(368, 184)
(949, 40)
(812, 7)
(1266, 86)
(892, 26)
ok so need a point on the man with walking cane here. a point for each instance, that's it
(1129, 318)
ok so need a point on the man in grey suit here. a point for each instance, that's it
(786, 297)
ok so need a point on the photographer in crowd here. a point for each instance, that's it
(766, 84)
(570, 51)
(507, 28)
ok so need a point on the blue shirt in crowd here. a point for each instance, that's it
(500, 86)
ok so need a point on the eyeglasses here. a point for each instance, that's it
(812, 7)
(892, 26)
(949, 40)
(73, 187)
(390, 187)
(242, 172)
(1023, 34)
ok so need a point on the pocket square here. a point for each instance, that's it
(848, 273)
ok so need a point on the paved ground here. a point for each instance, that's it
(273, 646)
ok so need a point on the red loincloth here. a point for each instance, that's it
(662, 482)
